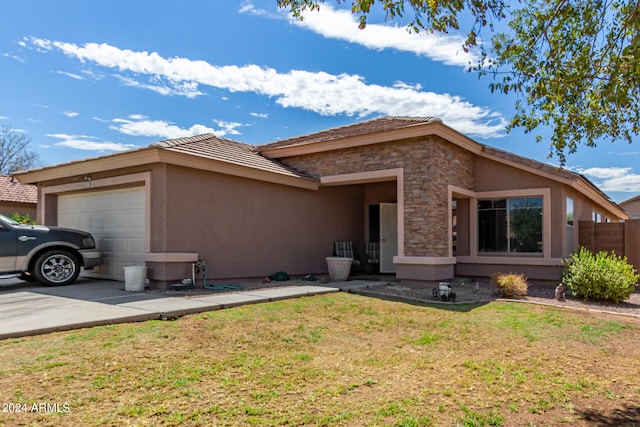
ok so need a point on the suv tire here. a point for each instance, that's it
(56, 268)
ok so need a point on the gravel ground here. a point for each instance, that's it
(475, 292)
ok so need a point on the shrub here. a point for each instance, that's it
(600, 277)
(23, 219)
(510, 285)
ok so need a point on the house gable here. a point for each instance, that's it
(390, 129)
(205, 152)
(427, 165)
(632, 206)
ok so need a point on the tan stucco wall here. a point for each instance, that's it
(430, 165)
(9, 209)
(495, 176)
(248, 228)
(492, 176)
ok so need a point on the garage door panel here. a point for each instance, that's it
(117, 221)
(105, 244)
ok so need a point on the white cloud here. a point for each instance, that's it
(624, 153)
(248, 7)
(629, 183)
(321, 92)
(605, 173)
(188, 89)
(73, 76)
(70, 113)
(89, 143)
(613, 179)
(227, 128)
(341, 24)
(14, 57)
(139, 125)
(260, 115)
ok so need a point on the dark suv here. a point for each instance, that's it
(50, 255)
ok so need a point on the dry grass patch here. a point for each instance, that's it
(510, 285)
(337, 359)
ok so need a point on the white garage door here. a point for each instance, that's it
(117, 221)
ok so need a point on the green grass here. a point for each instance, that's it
(339, 359)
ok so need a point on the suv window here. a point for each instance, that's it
(7, 220)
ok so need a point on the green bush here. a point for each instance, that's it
(600, 277)
(510, 285)
(23, 219)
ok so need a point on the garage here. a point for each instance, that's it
(116, 219)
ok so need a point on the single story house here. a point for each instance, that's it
(632, 207)
(17, 198)
(436, 202)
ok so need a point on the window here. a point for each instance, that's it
(454, 226)
(596, 217)
(569, 225)
(510, 225)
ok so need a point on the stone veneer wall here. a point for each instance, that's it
(430, 164)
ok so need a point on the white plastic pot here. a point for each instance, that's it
(134, 278)
(339, 268)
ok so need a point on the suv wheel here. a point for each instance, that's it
(56, 268)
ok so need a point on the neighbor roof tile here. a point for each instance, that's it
(12, 191)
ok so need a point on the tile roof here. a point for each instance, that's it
(12, 191)
(388, 123)
(381, 124)
(212, 147)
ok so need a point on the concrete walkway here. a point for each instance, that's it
(31, 309)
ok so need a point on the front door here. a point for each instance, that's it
(388, 236)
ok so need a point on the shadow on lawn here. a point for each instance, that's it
(627, 416)
(457, 307)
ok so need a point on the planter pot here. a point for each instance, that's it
(339, 268)
(135, 278)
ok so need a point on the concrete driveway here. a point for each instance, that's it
(32, 309)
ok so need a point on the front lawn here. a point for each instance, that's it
(338, 359)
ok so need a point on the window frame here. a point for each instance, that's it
(506, 241)
(545, 192)
(569, 225)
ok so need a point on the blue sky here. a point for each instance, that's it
(90, 78)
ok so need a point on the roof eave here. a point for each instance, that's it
(407, 132)
(234, 169)
(588, 189)
(154, 154)
(630, 200)
(440, 129)
(137, 157)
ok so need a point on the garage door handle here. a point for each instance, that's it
(25, 238)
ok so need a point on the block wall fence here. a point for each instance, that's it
(621, 237)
